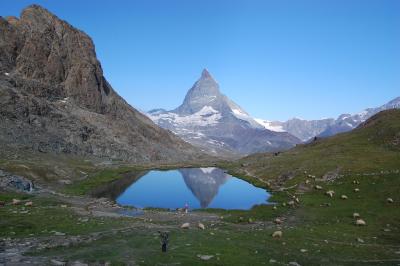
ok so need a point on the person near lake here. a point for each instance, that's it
(186, 208)
(164, 239)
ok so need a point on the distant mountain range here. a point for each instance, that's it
(307, 129)
(210, 120)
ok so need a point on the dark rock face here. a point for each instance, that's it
(14, 182)
(54, 97)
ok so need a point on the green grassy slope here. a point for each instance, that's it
(373, 147)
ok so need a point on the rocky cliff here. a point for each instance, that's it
(54, 97)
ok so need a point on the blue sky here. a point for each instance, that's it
(277, 59)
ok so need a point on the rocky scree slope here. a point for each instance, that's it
(54, 97)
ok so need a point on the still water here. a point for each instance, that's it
(197, 187)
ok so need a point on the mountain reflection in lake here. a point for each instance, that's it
(198, 187)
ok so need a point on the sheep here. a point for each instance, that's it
(356, 215)
(29, 204)
(389, 200)
(185, 226)
(16, 201)
(278, 221)
(360, 222)
(356, 190)
(277, 234)
(201, 226)
(344, 197)
(318, 187)
(330, 193)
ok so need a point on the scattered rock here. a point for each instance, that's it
(201, 226)
(272, 261)
(360, 222)
(359, 240)
(63, 206)
(57, 262)
(14, 182)
(291, 203)
(277, 234)
(250, 220)
(205, 257)
(185, 226)
(293, 263)
(303, 250)
(344, 197)
(389, 200)
(274, 208)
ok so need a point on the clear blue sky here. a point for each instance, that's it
(277, 59)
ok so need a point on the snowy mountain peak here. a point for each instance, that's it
(205, 74)
(204, 92)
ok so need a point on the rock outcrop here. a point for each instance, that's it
(54, 97)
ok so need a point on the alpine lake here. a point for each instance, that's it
(192, 188)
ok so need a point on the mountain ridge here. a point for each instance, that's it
(55, 98)
(308, 129)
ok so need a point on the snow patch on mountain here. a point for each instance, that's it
(270, 125)
(205, 117)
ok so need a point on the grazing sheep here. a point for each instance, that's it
(344, 197)
(291, 203)
(278, 221)
(185, 226)
(201, 226)
(356, 190)
(389, 200)
(330, 193)
(318, 187)
(16, 201)
(277, 234)
(29, 204)
(360, 222)
(356, 215)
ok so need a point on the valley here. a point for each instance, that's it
(87, 179)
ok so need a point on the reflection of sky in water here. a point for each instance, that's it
(172, 189)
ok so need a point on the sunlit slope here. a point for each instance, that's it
(373, 147)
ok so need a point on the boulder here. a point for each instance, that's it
(205, 257)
